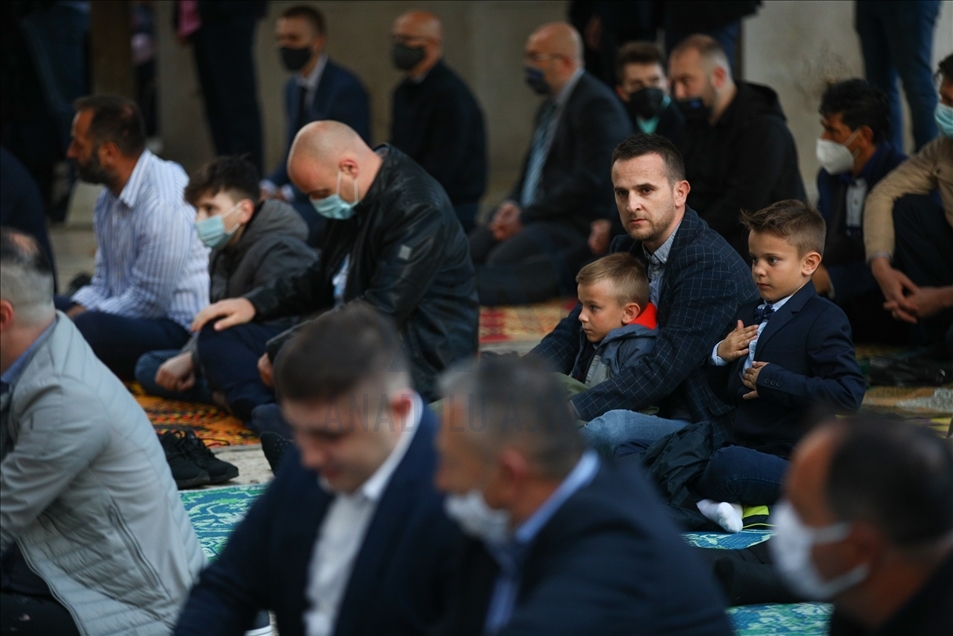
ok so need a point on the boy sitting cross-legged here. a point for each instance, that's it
(787, 358)
(618, 321)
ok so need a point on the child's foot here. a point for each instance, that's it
(727, 515)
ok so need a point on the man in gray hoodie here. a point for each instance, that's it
(93, 535)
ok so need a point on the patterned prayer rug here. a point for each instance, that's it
(521, 324)
(215, 512)
(212, 425)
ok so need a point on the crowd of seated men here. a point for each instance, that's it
(697, 382)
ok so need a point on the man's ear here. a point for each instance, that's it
(867, 134)
(108, 154)
(246, 210)
(349, 167)
(621, 93)
(680, 192)
(718, 75)
(809, 263)
(6, 314)
(507, 485)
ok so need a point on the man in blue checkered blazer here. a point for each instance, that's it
(697, 281)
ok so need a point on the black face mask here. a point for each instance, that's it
(535, 80)
(694, 110)
(406, 57)
(295, 59)
(646, 103)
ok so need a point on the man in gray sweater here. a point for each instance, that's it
(93, 536)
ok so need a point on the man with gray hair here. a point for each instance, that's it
(562, 543)
(93, 536)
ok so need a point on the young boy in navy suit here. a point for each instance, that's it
(787, 359)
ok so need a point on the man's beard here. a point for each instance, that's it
(93, 172)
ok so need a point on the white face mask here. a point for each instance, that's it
(834, 157)
(477, 518)
(791, 552)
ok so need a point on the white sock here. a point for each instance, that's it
(727, 515)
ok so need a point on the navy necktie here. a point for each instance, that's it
(762, 313)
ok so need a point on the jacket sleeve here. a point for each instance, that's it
(561, 346)
(60, 433)
(293, 295)
(598, 126)
(759, 153)
(232, 589)
(837, 381)
(283, 258)
(702, 301)
(408, 267)
(913, 176)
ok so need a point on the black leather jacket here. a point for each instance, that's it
(409, 258)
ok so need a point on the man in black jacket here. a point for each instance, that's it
(739, 153)
(537, 237)
(562, 542)
(436, 119)
(393, 241)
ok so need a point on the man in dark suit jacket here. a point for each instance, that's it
(319, 90)
(564, 184)
(562, 544)
(697, 282)
(351, 537)
(436, 119)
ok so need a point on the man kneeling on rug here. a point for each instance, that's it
(351, 536)
(93, 535)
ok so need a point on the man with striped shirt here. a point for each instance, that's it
(151, 273)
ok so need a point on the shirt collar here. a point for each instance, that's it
(562, 96)
(508, 554)
(374, 487)
(778, 304)
(310, 82)
(660, 256)
(11, 375)
(133, 188)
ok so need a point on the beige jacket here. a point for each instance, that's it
(928, 170)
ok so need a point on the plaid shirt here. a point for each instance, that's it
(704, 284)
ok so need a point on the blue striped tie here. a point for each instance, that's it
(534, 168)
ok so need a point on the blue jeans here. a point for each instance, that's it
(896, 38)
(119, 342)
(743, 475)
(608, 432)
(149, 364)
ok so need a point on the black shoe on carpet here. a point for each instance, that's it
(218, 470)
(274, 446)
(185, 472)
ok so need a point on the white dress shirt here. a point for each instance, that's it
(341, 535)
(718, 361)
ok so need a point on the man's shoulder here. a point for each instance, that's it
(342, 76)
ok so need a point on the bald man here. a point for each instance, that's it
(436, 119)
(868, 525)
(537, 239)
(392, 241)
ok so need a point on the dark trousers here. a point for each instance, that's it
(743, 475)
(223, 57)
(119, 342)
(230, 363)
(539, 262)
(147, 367)
(34, 616)
(924, 251)
(896, 38)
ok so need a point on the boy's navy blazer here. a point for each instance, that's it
(400, 574)
(812, 371)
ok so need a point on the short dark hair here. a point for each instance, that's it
(895, 475)
(945, 68)
(230, 174)
(859, 103)
(337, 352)
(795, 221)
(627, 274)
(313, 16)
(115, 119)
(640, 144)
(515, 401)
(639, 53)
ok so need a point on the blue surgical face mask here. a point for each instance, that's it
(212, 232)
(334, 207)
(944, 119)
(536, 80)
